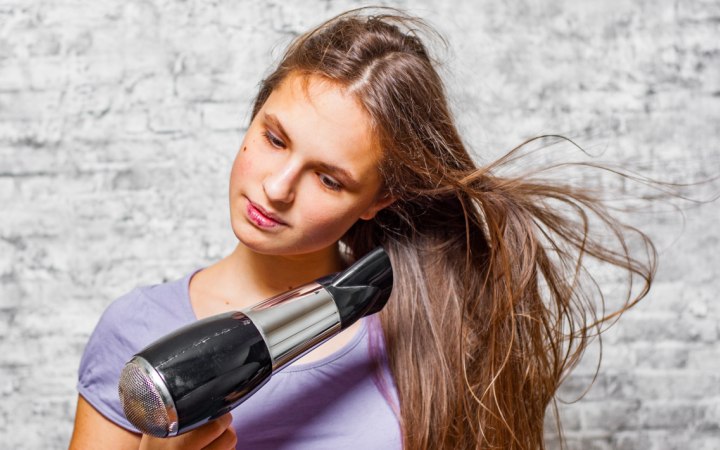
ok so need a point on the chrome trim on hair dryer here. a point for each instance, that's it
(295, 322)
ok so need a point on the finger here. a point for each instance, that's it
(206, 434)
(224, 421)
(225, 441)
(195, 439)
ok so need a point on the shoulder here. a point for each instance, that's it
(129, 324)
(146, 312)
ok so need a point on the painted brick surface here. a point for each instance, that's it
(119, 122)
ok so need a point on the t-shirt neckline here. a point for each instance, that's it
(293, 367)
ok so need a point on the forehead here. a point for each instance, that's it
(322, 118)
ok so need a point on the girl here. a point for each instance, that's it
(352, 146)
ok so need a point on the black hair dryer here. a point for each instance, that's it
(209, 367)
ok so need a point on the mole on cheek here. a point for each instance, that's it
(244, 149)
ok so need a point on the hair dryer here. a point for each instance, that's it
(207, 368)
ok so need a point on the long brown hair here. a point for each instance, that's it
(491, 305)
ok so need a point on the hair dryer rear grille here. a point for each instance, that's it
(142, 403)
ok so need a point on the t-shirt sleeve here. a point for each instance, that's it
(116, 338)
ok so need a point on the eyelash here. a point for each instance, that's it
(329, 182)
(272, 140)
(326, 181)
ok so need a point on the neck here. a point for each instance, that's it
(269, 275)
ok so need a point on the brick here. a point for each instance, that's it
(173, 120)
(221, 116)
(7, 188)
(706, 358)
(135, 122)
(194, 87)
(48, 74)
(663, 355)
(614, 415)
(153, 89)
(13, 77)
(668, 329)
(676, 385)
(668, 415)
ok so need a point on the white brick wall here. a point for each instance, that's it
(119, 121)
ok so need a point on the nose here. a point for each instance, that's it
(279, 185)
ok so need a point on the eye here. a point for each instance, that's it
(329, 183)
(273, 140)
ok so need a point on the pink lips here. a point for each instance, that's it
(261, 217)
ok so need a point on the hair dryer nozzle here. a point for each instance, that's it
(363, 288)
(145, 400)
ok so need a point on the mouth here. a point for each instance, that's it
(261, 217)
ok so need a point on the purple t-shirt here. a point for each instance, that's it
(331, 403)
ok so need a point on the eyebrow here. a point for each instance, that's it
(339, 172)
(342, 174)
(272, 118)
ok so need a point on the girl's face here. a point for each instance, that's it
(306, 171)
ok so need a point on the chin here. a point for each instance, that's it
(268, 245)
(262, 243)
(258, 244)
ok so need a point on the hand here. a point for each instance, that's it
(216, 435)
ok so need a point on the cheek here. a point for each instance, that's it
(325, 218)
(242, 166)
(244, 161)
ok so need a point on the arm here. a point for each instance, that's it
(92, 431)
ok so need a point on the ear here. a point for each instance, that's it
(381, 203)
